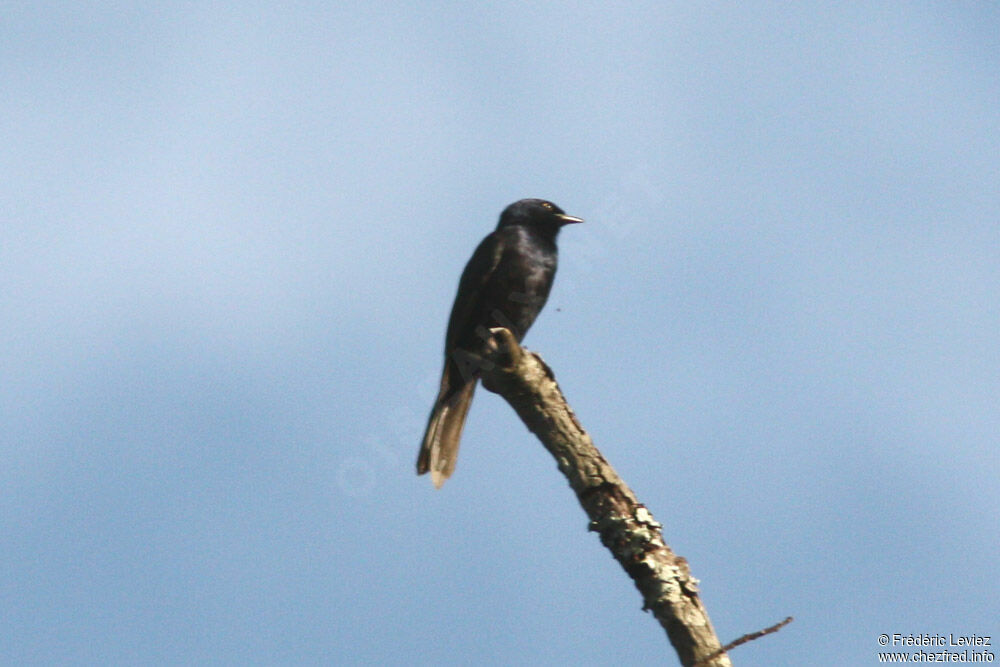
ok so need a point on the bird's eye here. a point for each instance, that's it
(547, 206)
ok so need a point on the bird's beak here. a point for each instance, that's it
(568, 219)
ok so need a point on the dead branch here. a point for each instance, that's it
(626, 527)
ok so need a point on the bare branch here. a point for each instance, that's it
(749, 637)
(625, 526)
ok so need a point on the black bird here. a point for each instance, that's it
(505, 284)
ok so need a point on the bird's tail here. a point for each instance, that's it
(444, 428)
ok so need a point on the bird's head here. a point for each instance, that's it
(537, 213)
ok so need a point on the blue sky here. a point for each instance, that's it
(231, 237)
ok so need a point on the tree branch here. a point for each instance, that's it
(749, 637)
(626, 527)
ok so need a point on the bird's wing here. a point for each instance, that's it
(477, 273)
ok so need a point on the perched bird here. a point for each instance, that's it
(505, 284)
